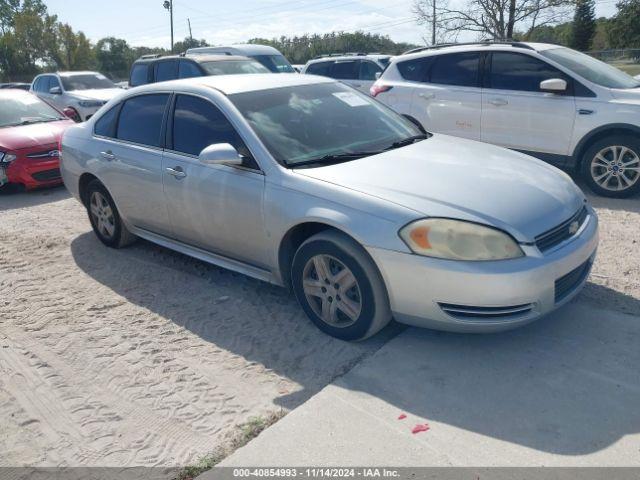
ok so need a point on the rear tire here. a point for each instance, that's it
(339, 287)
(105, 218)
(611, 166)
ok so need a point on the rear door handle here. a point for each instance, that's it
(108, 155)
(498, 102)
(427, 96)
(176, 172)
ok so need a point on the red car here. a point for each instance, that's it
(30, 133)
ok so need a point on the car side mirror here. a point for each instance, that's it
(220, 154)
(553, 85)
(55, 91)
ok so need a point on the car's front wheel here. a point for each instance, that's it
(105, 218)
(339, 287)
(611, 166)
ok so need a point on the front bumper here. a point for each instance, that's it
(487, 296)
(34, 173)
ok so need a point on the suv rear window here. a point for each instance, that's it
(346, 70)
(139, 74)
(459, 69)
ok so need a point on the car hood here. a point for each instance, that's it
(450, 177)
(28, 136)
(104, 94)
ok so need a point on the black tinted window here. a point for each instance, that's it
(188, 69)
(347, 70)
(166, 71)
(515, 71)
(459, 69)
(197, 124)
(368, 70)
(414, 70)
(139, 74)
(320, 68)
(141, 119)
(106, 125)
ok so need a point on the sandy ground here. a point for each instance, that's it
(146, 357)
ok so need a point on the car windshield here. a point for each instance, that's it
(322, 122)
(275, 63)
(591, 69)
(86, 81)
(25, 110)
(233, 67)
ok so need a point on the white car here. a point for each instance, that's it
(557, 104)
(358, 70)
(266, 55)
(83, 92)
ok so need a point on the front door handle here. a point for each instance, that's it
(108, 155)
(176, 172)
(427, 96)
(498, 102)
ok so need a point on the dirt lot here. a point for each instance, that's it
(146, 357)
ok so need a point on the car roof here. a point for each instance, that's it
(330, 58)
(242, 48)
(196, 58)
(231, 84)
(13, 92)
(67, 74)
(466, 47)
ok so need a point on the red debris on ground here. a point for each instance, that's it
(402, 416)
(421, 428)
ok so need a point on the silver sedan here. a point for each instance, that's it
(306, 183)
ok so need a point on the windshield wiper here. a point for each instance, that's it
(407, 141)
(334, 158)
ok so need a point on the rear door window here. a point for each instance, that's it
(368, 70)
(166, 70)
(141, 119)
(188, 69)
(139, 74)
(319, 68)
(459, 69)
(346, 70)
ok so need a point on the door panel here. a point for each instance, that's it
(449, 100)
(516, 114)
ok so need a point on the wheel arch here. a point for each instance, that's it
(83, 183)
(600, 133)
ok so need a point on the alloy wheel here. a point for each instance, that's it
(332, 291)
(102, 215)
(615, 168)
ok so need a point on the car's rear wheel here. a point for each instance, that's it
(105, 218)
(339, 287)
(611, 166)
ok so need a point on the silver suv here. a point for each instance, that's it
(358, 70)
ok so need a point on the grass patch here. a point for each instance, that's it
(245, 432)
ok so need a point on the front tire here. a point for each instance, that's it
(105, 218)
(611, 166)
(339, 287)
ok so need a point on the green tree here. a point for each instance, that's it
(624, 27)
(188, 43)
(584, 25)
(114, 56)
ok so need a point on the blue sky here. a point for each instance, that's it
(145, 22)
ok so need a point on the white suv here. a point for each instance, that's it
(358, 69)
(551, 102)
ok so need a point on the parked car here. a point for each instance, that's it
(155, 68)
(552, 102)
(30, 132)
(358, 70)
(270, 57)
(16, 85)
(82, 92)
(304, 182)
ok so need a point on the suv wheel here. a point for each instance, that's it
(339, 287)
(611, 166)
(104, 217)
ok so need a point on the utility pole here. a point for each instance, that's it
(190, 34)
(168, 4)
(433, 24)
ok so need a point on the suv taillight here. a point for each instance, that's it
(377, 89)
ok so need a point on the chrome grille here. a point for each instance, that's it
(567, 229)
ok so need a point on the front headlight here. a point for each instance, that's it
(91, 103)
(7, 157)
(459, 240)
